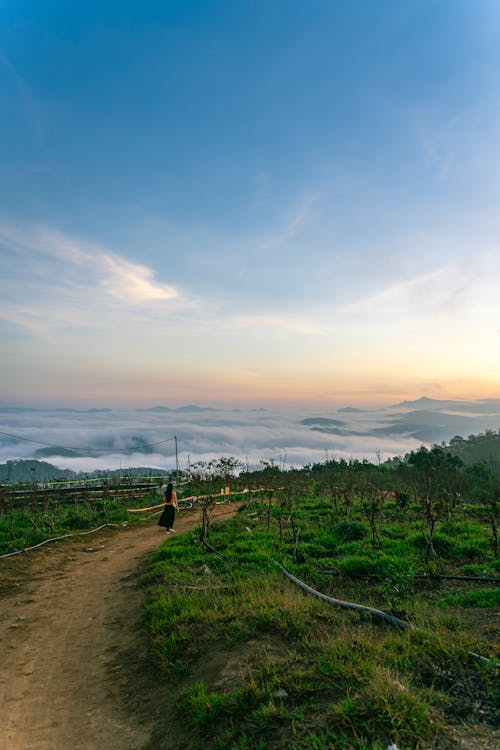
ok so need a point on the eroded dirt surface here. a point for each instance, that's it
(75, 667)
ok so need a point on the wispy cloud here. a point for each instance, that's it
(296, 222)
(421, 290)
(465, 289)
(118, 276)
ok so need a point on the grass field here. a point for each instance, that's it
(28, 526)
(254, 662)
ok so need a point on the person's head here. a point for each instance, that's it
(168, 491)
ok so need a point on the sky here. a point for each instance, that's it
(276, 202)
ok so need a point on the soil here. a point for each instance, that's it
(77, 669)
(76, 666)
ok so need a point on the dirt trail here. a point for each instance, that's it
(75, 668)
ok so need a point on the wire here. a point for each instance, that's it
(97, 450)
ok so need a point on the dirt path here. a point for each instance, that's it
(75, 668)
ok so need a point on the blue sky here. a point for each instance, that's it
(249, 202)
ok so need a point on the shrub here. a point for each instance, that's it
(350, 531)
(356, 565)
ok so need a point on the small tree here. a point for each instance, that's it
(484, 488)
(226, 467)
(435, 478)
(207, 505)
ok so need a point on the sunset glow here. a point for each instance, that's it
(272, 203)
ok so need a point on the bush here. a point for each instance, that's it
(350, 531)
(356, 565)
(382, 566)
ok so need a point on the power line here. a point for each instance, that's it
(80, 448)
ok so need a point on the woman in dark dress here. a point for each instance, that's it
(168, 516)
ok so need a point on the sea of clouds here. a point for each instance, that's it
(112, 438)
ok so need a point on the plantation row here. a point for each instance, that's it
(433, 485)
(255, 663)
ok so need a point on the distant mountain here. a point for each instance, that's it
(327, 426)
(432, 425)
(192, 408)
(482, 406)
(322, 422)
(48, 452)
(64, 409)
(429, 404)
(130, 444)
(435, 426)
(334, 431)
(350, 410)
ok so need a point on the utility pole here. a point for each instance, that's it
(176, 463)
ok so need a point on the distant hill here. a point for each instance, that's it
(326, 425)
(482, 448)
(430, 404)
(48, 452)
(432, 426)
(482, 406)
(322, 422)
(180, 409)
(25, 471)
(436, 423)
(192, 408)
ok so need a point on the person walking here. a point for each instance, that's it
(168, 516)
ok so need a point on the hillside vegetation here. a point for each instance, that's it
(255, 662)
(25, 471)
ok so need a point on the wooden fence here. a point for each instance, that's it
(17, 496)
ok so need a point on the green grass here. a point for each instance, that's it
(340, 680)
(26, 527)
(474, 598)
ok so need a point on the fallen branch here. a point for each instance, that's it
(348, 605)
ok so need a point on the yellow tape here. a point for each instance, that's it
(194, 497)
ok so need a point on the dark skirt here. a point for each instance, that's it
(167, 517)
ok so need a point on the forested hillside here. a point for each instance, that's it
(484, 447)
(23, 471)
